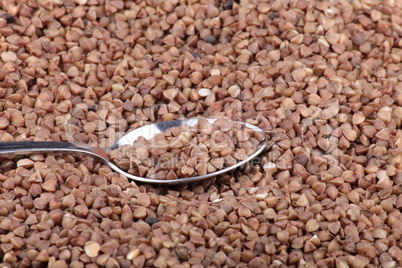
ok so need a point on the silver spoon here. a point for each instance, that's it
(148, 132)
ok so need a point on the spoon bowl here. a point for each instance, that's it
(102, 154)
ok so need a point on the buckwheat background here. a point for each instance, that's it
(322, 78)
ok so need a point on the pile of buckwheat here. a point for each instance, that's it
(322, 78)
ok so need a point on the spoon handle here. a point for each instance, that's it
(32, 147)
